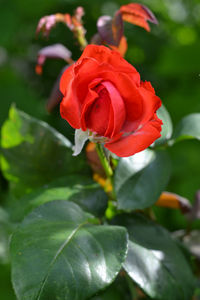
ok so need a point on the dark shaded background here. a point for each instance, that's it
(169, 57)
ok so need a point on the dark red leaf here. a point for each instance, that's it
(117, 27)
(122, 47)
(138, 14)
(111, 29)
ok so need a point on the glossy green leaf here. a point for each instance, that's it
(89, 196)
(33, 153)
(141, 178)
(57, 253)
(188, 128)
(154, 260)
(167, 127)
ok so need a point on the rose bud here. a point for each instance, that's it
(106, 101)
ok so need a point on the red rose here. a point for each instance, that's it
(103, 94)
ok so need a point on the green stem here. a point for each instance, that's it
(105, 163)
(131, 288)
(80, 35)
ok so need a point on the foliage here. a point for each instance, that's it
(71, 237)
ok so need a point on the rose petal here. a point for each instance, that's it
(151, 102)
(103, 54)
(133, 101)
(84, 73)
(147, 85)
(67, 76)
(88, 70)
(118, 109)
(90, 98)
(70, 107)
(125, 83)
(145, 95)
(138, 141)
(97, 117)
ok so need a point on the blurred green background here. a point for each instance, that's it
(168, 56)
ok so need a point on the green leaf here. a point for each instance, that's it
(33, 153)
(154, 260)
(167, 127)
(89, 195)
(141, 178)
(57, 253)
(187, 128)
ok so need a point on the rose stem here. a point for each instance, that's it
(107, 168)
(80, 35)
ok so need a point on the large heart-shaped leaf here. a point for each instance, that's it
(33, 153)
(88, 195)
(188, 128)
(140, 179)
(154, 260)
(57, 253)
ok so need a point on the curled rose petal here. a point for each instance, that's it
(103, 55)
(138, 14)
(137, 141)
(103, 95)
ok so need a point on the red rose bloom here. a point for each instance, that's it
(103, 94)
